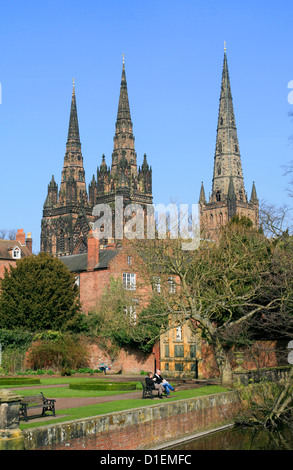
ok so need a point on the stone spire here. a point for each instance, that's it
(73, 131)
(227, 162)
(228, 197)
(73, 186)
(202, 196)
(124, 150)
(253, 197)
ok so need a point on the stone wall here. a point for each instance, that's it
(247, 377)
(140, 428)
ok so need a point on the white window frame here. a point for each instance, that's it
(16, 252)
(129, 281)
(172, 285)
(157, 284)
(130, 311)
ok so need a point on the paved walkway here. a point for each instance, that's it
(74, 402)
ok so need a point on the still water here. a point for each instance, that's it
(237, 438)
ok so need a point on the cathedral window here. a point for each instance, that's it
(218, 195)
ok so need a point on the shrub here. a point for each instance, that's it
(105, 386)
(18, 381)
(64, 353)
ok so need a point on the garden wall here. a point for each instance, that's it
(130, 361)
(140, 428)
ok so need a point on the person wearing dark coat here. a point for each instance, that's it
(150, 381)
(159, 380)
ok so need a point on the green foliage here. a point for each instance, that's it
(18, 381)
(105, 386)
(39, 294)
(112, 320)
(18, 339)
(64, 353)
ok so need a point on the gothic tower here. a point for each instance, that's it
(124, 178)
(67, 214)
(228, 197)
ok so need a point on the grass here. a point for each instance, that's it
(110, 407)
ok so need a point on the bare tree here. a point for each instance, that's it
(275, 221)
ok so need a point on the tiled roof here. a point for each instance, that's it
(77, 263)
(6, 248)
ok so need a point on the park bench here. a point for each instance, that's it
(36, 401)
(148, 392)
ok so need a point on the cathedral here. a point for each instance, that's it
(68, 213)
(228, 197)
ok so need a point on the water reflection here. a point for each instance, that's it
(242, 439)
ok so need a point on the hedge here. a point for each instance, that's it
(18, 381)
(105, 386)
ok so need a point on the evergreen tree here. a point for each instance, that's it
(38, 294)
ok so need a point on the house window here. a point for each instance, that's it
(77, 280)
(192, 350)
(179, 350)
(129, 281)
(166, 366)
(167, 354)
(129, 260)
(179, 367)
(131, 313)
(16, 253)
(172, 285)
(157, 284)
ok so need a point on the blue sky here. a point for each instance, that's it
(173, 58)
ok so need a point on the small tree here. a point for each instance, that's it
(119, 318)
(38, 294)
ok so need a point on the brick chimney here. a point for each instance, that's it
(29, 242)
(93, 248)
(20, 236)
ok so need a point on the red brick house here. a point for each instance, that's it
(95, 268)
(12, 250)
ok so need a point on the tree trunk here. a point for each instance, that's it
(223, 363)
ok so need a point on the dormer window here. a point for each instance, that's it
(16, 253)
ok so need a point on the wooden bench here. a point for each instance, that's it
(148, 392)
(36, 401)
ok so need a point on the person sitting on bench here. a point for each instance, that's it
(150, 382)
(159, 380)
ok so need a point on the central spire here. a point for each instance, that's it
(124, 140)
(73, 130)
(227, 162)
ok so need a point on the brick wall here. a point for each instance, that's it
(140, 428)
(130, 361)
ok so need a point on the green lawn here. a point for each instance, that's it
(109, 407)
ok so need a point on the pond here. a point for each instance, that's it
(239, 438)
